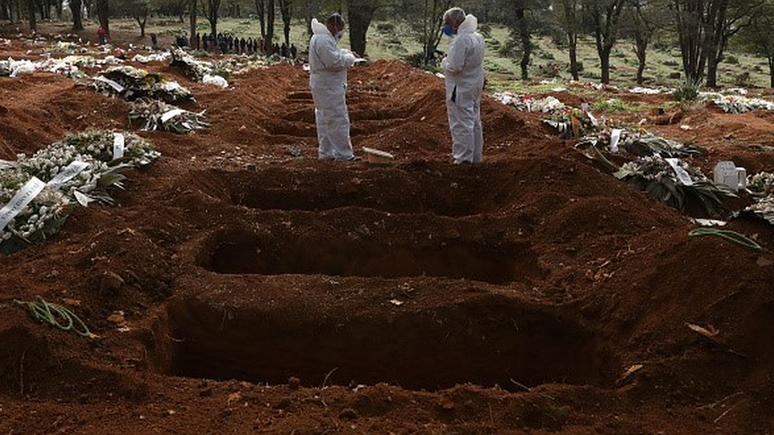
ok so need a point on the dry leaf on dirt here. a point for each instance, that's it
(709, 332)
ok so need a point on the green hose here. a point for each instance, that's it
(733, 236)
(56, 315)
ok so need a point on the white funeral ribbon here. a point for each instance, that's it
(615, 136)
(23, 197)
(67, 174)
(170, 86)
(681, 174)
(593, 120)
(112, 83)
(118, 145)
(171, 114)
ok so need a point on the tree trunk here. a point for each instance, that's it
(691, 28)
(715, 53)
(4, 10)
(712, 70)
(360, 15)
(103, 14)
(570, 16)
(270, 11)
(286, 10)
(642, 46)
(260, 9)
(141, 20)
(604, 62)
(89, 5)
(192, 20)
(31, 12)
(573, 41)
(526, 44)
(58, 5)
(771, 71)
(76, 8)
(211, 10)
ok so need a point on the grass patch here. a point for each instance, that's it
(396, 40)
(614, 105)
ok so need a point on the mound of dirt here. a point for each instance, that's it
(241, 285)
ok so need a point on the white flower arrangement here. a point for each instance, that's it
(761, 184)
(201, 71)
(737, 104)
(42, 217)
(526, 103)
(664, 182)
(96, 171)
(639, 143)
(132, 83)
(764, 208)
(159, 115)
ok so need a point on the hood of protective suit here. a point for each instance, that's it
(319, 28)
(470, 25)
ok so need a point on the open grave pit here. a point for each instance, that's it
(269, 329)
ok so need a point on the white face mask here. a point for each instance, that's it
(339, 35)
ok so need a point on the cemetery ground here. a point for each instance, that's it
(239, 285)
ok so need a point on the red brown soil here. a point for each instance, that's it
(267, 292)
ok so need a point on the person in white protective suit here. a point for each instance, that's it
(463, 68)
(328, 80)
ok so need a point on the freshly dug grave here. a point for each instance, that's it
(239, 285)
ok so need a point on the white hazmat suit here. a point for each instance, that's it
(328, 80)
(463, 68)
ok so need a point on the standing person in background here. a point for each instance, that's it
(328, 80)
(102, 34)
(463, 68)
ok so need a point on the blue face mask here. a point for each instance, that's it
(448, 30)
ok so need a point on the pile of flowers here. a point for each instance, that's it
(649, 91)
(132, 83)
(738, 104)
(15, 68)
(138, 152)
(761, 187)
(526, 103)
(152, 57)
(573, 123)
(592, 86)
(639, 143)
(193, 68)
(158, 115)
(761, 184)
(66, 47)
(79, 169)
(673, 181)
(254, 63)
(68, 66)
(41, 218)
(764, 208)
(205, 72)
